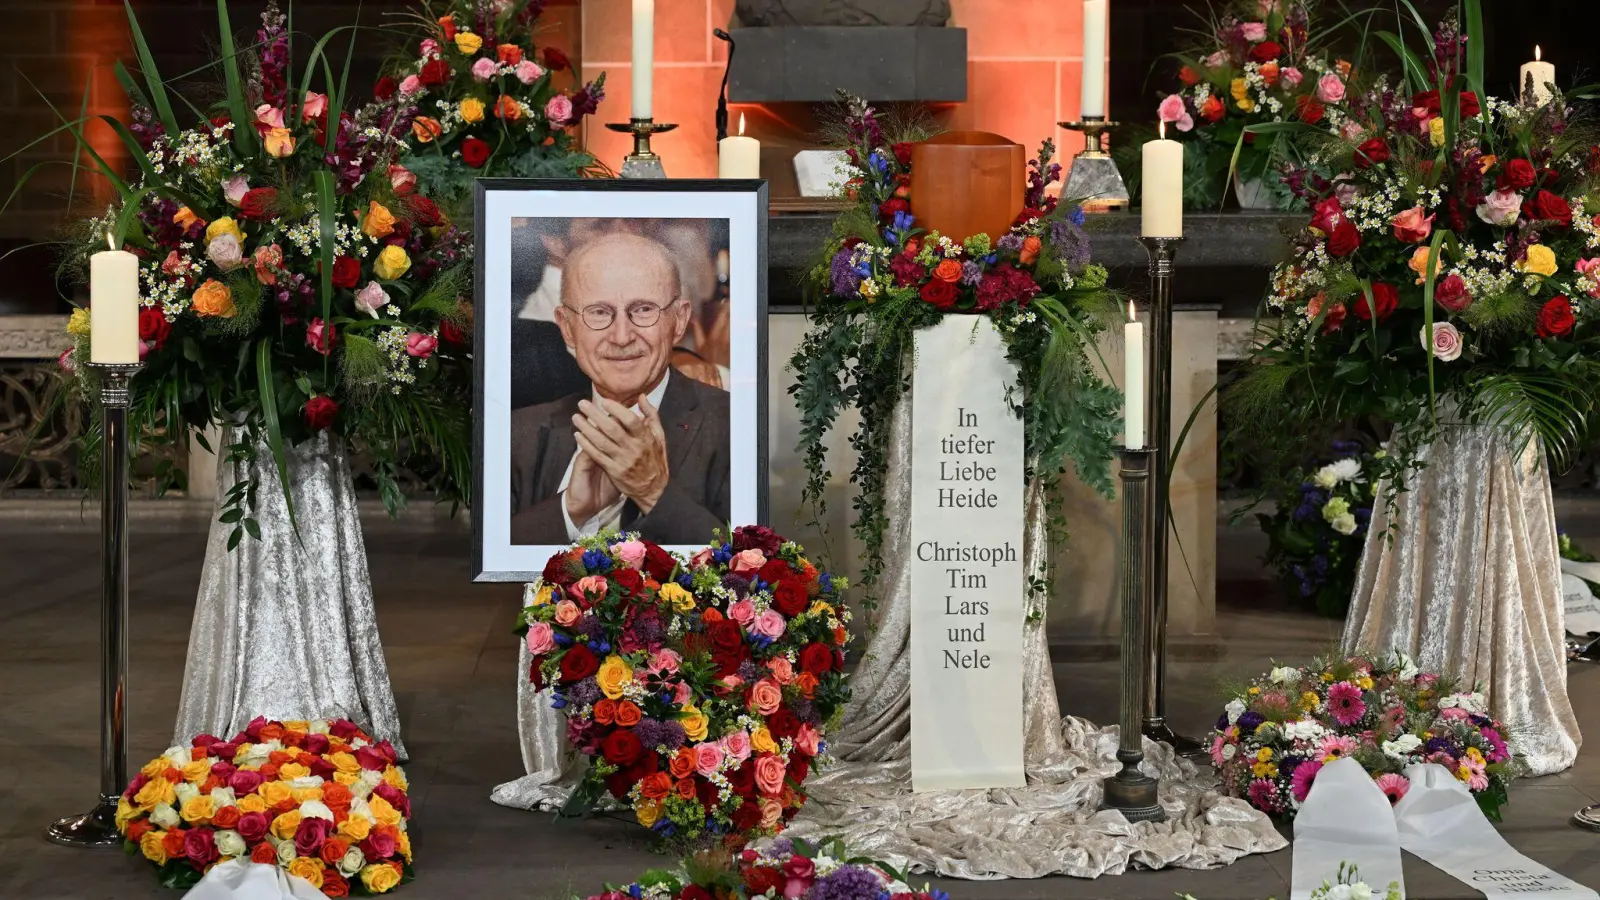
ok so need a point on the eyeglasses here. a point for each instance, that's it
(600, 317)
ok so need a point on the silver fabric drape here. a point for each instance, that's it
(285, 627)
(1469, 583)
(1051, 826)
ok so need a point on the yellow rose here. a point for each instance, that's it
(185, 217)
(197, 772)
(252, 803)
(301, 795)
(614, 674)
(213, 299)
(157, 790)
(307, 868)
(198, 809)
(1419, 263)
(126, 812)
(381, 878)
(222, 226)
(403, 844)
(283, 827)
(152, 847)
(382, 811)
(379, 222)
(346, 778)
(468, 43)
(301, 725)
(346, 763)
(761, 740)
(1241, 95)
(694, 723)
(291, 771)
(392, 263)
(648, 812)
(274, 792)
(1541, 260)
(471, 110)
(1436, 131)
(393, 777)
(542, 596)
(676, 597)
(355, 829)
(79, 325)
(279, 143)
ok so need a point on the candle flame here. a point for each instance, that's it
(111, 243)
(741, 123)
(1163, 131)
(1133, 312)
(1536, 56)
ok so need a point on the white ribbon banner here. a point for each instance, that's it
(1345, 819)
(241, 879)
(1582, 608)
(967, 585)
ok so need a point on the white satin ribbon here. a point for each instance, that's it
(1439, 821)
(1345, 819)
(240, 879)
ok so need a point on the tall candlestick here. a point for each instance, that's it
(644, 55)
(1133, 381)
(1535, 79)
(1161, 188)
(739, 156)
(1092, 101)
(114, 307)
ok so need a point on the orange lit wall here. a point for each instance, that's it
(1023, 76)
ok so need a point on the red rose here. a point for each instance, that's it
(726, 636)
(555, 60)
(578, 663)
(435, 72)
(1452, 294)
(775, 571)
(1384, 296)
(783, 723)
(759, 880)
(154, 327)
(743, 779)
(424, 211)
(888, 208)
(799, 768)
(259, 205)
(940, 294)
(334, 884)
(1555, 319)
(1548, 207)
(658, 563)
(451, 333)
(1371, 152)
(346, 271)
(790, 598)
(384, 89)
(757, 537)
(630, 581)
(1188, 76)
(563, 569)
(695, 892)
(816, 659)
(621, 747)
(1469, 105)
(1345, 239)
(1265, 51)
(1213, 110)
(1327, 214)
(1309, 110)
(320, 412)
(902, 154)
(475, 152)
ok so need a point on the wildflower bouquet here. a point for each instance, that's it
(320, 799)
(488, 99)
(1257, 62)
(780, 868)
(1316, 535)
(1456, 255)
(880, 278)
(1278, 732)
(701, 690)
(293, 279)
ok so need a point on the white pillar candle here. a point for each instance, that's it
(1161, 188)
(1092, 101)
(1133, 381)
(739, 156)
(1543, 75)
(644, 55)
(114, 307)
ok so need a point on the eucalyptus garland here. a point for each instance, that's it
(880, 279)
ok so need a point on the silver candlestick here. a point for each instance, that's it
(642, 162)
(1093, 178)
(1130, 791)
(98, 827)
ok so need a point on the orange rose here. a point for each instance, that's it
(335, 795)
(508, 108)
(807, 683)
(947, 270)
(264, 854)
(686, 790)
(628, 715)
(215, 781)
(172, 842)
(510, 54)
(1269, 71)
(213, 299)
(711, 616)
(269, 771)
(682, 763)
(1030, 250)
(197, 753)
(426, 129)
(304, 758)
(294, 738)
(656, 785)
(605, 712)
(1343, 66)
(333, 850)
(272, 731)
(226, 817)
(172, 775)
(137, 829)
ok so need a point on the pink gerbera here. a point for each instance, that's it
(1304, 774)
(1264, 794)
(1393, 786)
(1336, 747)
(1216, 751)
(1345, 704)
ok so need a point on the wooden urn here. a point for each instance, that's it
(967, 182)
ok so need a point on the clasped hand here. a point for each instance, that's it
(620, 453)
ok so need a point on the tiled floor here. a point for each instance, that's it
(452, 658)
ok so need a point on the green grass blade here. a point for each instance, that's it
(244, 135)
(1475, 37)
(269, 415)
(76, 130)
(1427, 311)
(127, 216)
(152, 77)
(1416, 75)
(327, 203)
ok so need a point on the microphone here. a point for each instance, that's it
(722, 98)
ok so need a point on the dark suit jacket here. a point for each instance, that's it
(695, 419)
(541, 367)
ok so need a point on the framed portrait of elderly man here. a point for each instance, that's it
(621, 364)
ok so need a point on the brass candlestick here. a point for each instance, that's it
(1094, 179)
(642, 162)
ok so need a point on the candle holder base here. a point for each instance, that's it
(642, 162)
(95, 828)
(1133, 793)
(1093, 178)
(1158, 730)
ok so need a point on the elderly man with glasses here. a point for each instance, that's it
(646, 450)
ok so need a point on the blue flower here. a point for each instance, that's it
(595, 561)
(562, 640)
(602, 647)
(1077, 216)
(902, 221)
(876, 163)
(826, 581)
(635, 891)
(558, 702)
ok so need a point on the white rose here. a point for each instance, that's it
(1229, 751)
(367, 783)
(255, 756)
(305, 781)
(164, 816)
(1360, 891)
(1339, 892)
(1444, 343)
(1449, 702)
(1345, 524)
(1325, 477)
(352, 863)
(185, 792)
(178, 757)
(1285, 675)
(223, 796)
(1401, 746)
(1235, 709)
(224, 251)
(315, 809)
(229, 843)
(286, 852)
(318, 726)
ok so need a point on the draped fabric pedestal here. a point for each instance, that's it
(284, 626)
(1051, 826)
(1468, 581)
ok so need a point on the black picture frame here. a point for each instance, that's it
(488, 311)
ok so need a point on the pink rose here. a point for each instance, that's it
(558, 110)
(707, 758)
(665, 662)
(1173, 110)
(737, 745)
(1215, 60)
(1445, 343)
(235, 188)
(484, 69)
(421, 345)
(372, 298)
(771, 813)
(1411, 226)
(746, 561)
(630, 552)
(269, 116)
(1254, 32)
(410, 85)
(701, 559)
(1330, 89)
(743, 612)
(809, 740)
(781, 669)
(680, 693)
(541, 638)
(1454, 712)
(528, 71)
(1587, 267)
(588, 584)
(314, 106)
(268, 260)
(1501, 208)
(769, 775)
(766, 696)
(770, 624)
(567, 613)
(1291, 77)
(430, 47)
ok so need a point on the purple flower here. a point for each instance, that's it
(1011, 242)
(739, 584)
(584, 692)
(847, 883)
(1071, 244)
(1250, 721)
(971, 272)
(805, 710)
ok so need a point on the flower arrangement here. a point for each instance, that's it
(880, 278)
(700, 689)
(1258, 62)
(1316, 535)
(320, 799)
(1276, 733)
(780, 868)
(1347, 885)
(488, 99)
(293, 280)
(1455, 255)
